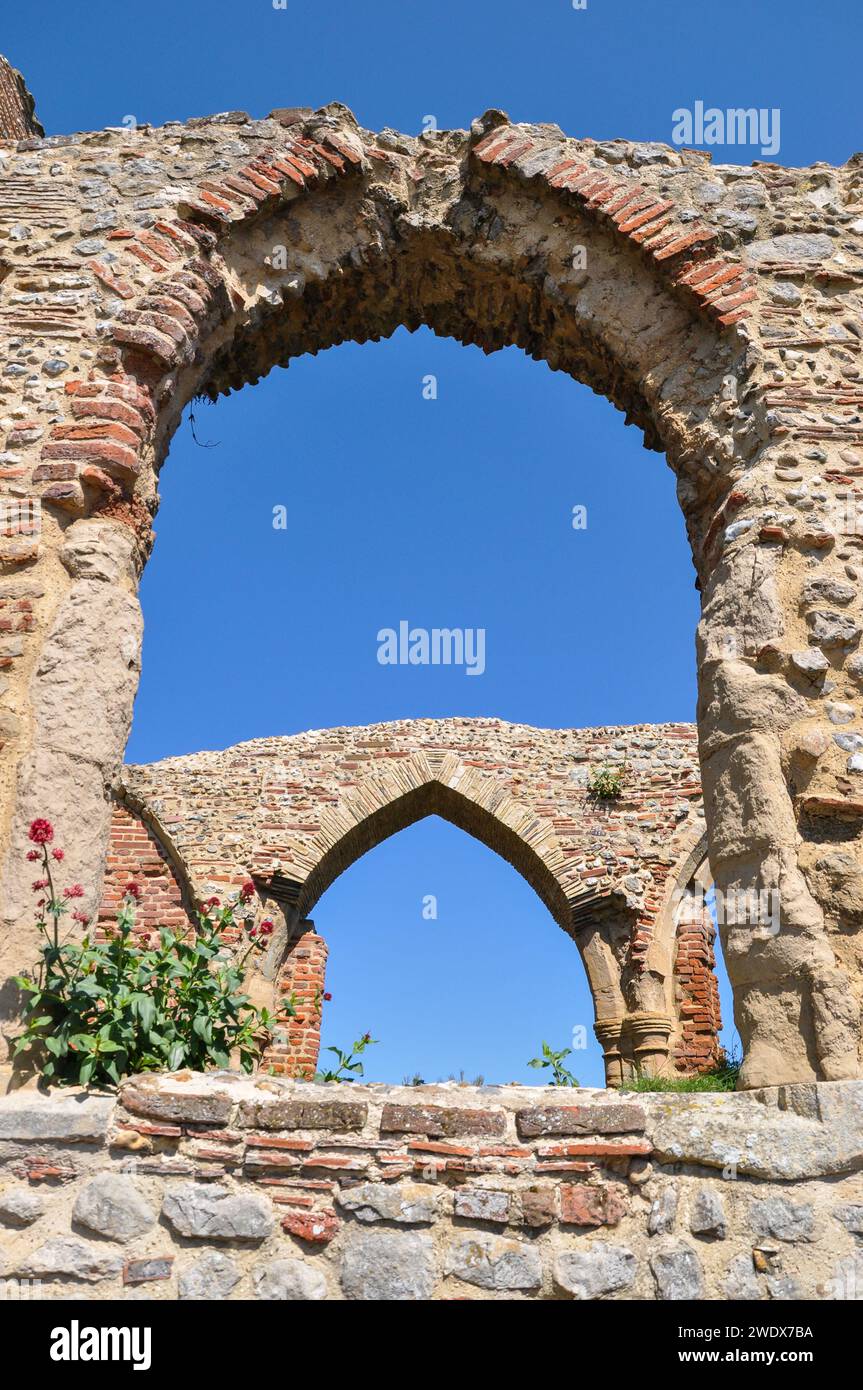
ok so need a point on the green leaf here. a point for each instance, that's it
(145, 1009)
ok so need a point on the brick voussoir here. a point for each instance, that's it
(633, 211)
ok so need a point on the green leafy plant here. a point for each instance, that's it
(722, 1076)
(607, 783)
(561, 1076)
(97, 1011)
(348, 1067)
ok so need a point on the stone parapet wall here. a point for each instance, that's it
(229, 1187)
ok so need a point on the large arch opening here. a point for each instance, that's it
(483, 263)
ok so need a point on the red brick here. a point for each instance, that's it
(583, 1205)
(318, 1227)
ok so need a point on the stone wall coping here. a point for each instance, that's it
(784, 1133)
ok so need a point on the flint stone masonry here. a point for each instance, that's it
(404, 1204)
(678, 1274)
(20, 1207)
(112, 1205)
(382, 1214)
(490, 1262)
(215, 1213)
(595, 1272)
(214, 1276)
(719, 307)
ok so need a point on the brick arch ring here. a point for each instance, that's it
(719, 308)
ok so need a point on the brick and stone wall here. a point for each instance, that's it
(135, 854)
(293, 813)
(227, 1187)
(719, 307)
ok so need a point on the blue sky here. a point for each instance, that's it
(451, 512)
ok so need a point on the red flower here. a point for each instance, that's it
(80, 917)
(132, 890)
(266, 928)
(58, 855)
(328, 997)
(212, 902)
(76, 891)
(41, 832)
(253, 931)
(39, 884)
(247, 891)
(33, 855)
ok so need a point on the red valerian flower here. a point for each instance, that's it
(41, 832)
(133, 890)
(247, 891)
(76, 891)
(33, 855)
(328, 997)
(253, 931)
(39, 884)
(58, 855)
(80, 917)
(213, 902)
(266, 928)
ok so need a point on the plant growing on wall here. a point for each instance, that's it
(97, 1011)
(348, 1067)
(606, 783)
(560, 1075)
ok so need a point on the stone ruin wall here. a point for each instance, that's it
(719, 307)
(220, 1187)
(293, 813)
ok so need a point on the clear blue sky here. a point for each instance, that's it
(454, 512)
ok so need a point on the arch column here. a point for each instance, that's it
(609, 1033)
(646, 1042)
(777, 617)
